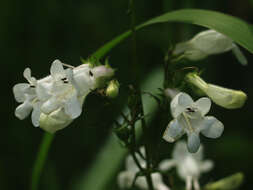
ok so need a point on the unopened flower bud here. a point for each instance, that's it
(112, 89)
(207, 43)
(227, 98)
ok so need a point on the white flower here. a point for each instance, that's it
(25, 93)
(227, 98)
(189, 118)
(126, 178)
(189, 165)
(58, 98)
(207, 43)
(63, 92)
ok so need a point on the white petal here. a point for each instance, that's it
(28, 77)
(212, 127)
(57, 70)
(54, 121)
(193, 142)
(69, 74)
(23, 110)
(162, 186)
(125, 179)
(167, 164)
(19, 91)
(72, 107)
(36, 115)
(180, 151)
(203, 105)
(173, 131)
(180, 103)
(50, 105)
(131, 165)
(27, 74)
(206, 166)
(198, 156)
(43, 91)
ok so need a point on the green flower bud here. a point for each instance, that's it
(227, 98)
(228, 183)
(112, 89)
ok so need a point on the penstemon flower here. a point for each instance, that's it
(208, 42)
(126, 178)
(189, 166)
(25, 93)
(58, 98)
(189, 118)
(227, 98)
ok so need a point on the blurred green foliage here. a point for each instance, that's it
(34, 33)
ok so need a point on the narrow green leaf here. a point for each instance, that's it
(238, 30)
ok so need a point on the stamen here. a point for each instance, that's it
(187, 122)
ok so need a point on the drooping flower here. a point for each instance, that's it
(227, 98)
(189, 166)
(126, 178)
(189, 117)
(208, 42)
(58, 98)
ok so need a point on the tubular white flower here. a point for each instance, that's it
(189, 166)
(126, 178)
(227, 98)
(208, 42)
(58, 98)
(189, 118)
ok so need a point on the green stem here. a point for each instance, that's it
(40, 160)
(136, 70)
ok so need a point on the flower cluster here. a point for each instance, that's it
(189, 118)
(126, 178)
(189, 166)
(58, 98)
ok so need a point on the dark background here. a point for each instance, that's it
(34, 33)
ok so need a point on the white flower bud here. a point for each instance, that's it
(207, 43)
(227, 98)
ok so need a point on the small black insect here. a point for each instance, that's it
(32, 86)
(91, 74)
(190, 110)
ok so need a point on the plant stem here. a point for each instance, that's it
(40, 160)
(135, 69)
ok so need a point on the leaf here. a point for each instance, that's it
(238, 30)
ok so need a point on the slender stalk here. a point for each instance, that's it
(135, 69)
(40, 160)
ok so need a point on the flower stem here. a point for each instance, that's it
(136, 70)
(40, 160)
